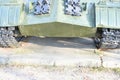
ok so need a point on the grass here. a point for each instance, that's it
(97, 69)
(116, 70)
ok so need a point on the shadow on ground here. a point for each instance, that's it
(62, 42)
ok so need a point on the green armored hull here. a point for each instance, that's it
(60, 18)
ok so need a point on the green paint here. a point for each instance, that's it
(11, 13)
(57, 24)
(57, 15)
(57, 30)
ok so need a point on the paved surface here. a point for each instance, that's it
(59, 52)
(56, 73)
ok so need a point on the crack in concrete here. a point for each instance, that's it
(100, 53)
(101, 61)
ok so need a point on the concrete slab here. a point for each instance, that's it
(111, 58)
(52, 60)
(55, 52)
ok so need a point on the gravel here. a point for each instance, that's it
(55, 73)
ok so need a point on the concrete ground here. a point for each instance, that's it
(59, 52)
(56, 73)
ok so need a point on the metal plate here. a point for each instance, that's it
(10, 15)
(108, 15)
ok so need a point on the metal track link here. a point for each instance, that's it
(107, 39)
(7, 38)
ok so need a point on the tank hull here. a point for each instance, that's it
(57, 29)
(61, 18)
(58, 23)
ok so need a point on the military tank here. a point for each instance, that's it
(60, 18)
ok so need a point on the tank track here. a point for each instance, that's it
(107, 38)
(7, 38)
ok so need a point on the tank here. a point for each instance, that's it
(60, 18)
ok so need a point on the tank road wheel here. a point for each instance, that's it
(107, 38)
(7, 38)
